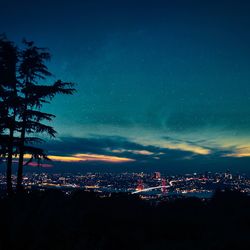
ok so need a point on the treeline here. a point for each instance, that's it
(23, 92)
(52, 220)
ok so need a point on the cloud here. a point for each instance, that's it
(188, 147)
(172, 155)
(110, 149)
(96, 144)
(103, 148)
(139, 152)
(90, 157)
(239, 152)
(191, 146)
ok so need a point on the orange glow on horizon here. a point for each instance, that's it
(240, 152)
(87, 157)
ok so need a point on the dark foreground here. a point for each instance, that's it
(51, 220)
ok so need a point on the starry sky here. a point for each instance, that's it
(161, 85)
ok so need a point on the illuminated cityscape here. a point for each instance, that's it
(147, 185)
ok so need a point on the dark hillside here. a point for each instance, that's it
(51, 220)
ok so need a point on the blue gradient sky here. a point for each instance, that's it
(172, 75)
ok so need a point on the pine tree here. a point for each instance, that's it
(8, 103)
(34, 94)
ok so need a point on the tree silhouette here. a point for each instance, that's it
(34, 94)
(8, 102)
(22, 96)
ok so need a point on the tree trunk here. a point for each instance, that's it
(10, 151)
(8, 177)
(9, 164)
(19, 186)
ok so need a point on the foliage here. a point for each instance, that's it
(23, 92)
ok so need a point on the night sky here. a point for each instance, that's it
(162, 85)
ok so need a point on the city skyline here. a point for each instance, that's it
(161, 85)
